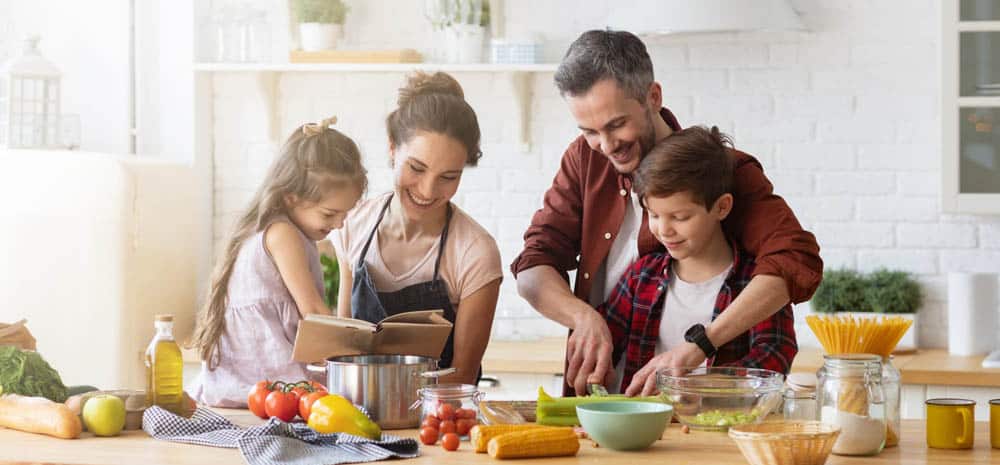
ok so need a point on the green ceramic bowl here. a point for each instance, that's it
(624, 425)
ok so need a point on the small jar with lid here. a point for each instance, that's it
(892, 387)
(850, 396)
(450, 408)
(800, 397)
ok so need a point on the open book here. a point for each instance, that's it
(422, 332)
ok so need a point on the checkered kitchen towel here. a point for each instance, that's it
(274, 442)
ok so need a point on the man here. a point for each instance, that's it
(590, 220)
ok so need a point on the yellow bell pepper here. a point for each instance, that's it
(335, 414)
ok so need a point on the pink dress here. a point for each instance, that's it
(261, 322)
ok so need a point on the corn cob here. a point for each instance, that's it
(547, 442)
(481, 434)
(562, 411)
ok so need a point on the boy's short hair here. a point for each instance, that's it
(605, 54)
(695, 160)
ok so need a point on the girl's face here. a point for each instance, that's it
(428, 168)
(317, 219)
(684, 226)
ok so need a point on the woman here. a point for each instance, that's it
(411, 249)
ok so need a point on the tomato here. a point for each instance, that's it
(284, 405)
(306, 402)
(463, 425)
(432, 421)
(428, 435)
(448, 426)
(446, 412)
(449, 441)
(257, 396)
(466, 413)
(317, 386)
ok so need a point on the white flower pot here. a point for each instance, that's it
(464, 43)
(318, 36)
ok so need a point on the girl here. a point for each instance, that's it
(270, 275)
(412, 249)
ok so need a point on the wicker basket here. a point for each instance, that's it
(785, 442)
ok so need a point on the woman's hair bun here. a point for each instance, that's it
(422, 83)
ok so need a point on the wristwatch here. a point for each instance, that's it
(696, 334)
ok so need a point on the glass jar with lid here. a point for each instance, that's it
(450, 408)
(850, 396)
(800, 397)
(892, 387)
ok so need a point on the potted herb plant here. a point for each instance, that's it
(320, 22)
(876, 294)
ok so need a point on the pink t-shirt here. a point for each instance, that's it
(471, 257)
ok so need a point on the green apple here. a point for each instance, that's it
(104, 415)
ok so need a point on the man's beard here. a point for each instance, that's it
(648, 139)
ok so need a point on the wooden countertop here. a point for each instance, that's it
(703, 448)
(926, 366)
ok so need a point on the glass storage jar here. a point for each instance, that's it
(800, 397)
(799, 405)
(850, 396)
(892, 387)
(450, 408)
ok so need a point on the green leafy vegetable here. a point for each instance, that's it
(721, 418)
(331, 279)
(26, 373)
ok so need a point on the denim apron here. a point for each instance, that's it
(370, 305)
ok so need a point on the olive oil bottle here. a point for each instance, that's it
(164, 368)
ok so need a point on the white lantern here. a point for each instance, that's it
(29, 100)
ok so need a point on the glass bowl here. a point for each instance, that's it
(715, 398)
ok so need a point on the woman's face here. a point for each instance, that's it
(428, 168)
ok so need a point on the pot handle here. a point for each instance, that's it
(316, 367)
(437, 373)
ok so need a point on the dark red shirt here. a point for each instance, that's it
(585, 206)
(635, 308)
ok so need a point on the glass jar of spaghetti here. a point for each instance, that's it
(850, 396)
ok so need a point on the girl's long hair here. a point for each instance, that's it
(314, 160)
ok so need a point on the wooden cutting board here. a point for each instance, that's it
(406, 55)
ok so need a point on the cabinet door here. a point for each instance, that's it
(979, 149)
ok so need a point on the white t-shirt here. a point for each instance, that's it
(624, 251)
(471, 257)
(686, 305)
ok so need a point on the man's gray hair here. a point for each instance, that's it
(604, 54)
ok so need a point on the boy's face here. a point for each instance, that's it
(614, 124)
(683, 225)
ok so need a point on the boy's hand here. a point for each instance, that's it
(684, 355)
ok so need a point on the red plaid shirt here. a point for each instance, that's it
(634, 309)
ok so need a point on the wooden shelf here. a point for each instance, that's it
(519, 77)
(375, 67)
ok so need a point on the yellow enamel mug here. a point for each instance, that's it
(951, 423)
(995, 423)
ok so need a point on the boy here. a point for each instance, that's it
(665, 300)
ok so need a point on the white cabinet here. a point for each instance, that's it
(970, 106)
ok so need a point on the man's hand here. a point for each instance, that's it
(588, 350)
(686, 355)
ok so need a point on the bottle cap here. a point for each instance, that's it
(165, 317)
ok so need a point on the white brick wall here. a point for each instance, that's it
(845, 119)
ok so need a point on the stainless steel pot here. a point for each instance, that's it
(385, 385)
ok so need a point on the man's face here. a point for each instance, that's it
(614, 124)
